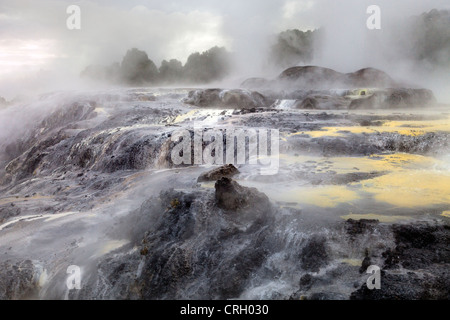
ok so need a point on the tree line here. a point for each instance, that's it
(291, 47)
(137, 68)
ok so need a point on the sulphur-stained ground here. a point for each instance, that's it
(90, 182)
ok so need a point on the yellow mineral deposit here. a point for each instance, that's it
(410, 128)
(408, 181)
(409, 188)
(373, 216)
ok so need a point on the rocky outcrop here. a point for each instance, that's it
(232, 196)
(321, 88)
(236, 99)
(319, 78)
(224, 171)
(314, 254)
(183, 237)
(394, 99)
(423, 256)
(361, 99)
(19, 280)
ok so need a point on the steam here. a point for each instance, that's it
(173, 30)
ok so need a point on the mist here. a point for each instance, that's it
(40, 54)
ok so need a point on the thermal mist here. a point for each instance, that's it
(40, 54)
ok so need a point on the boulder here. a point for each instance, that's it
(324, 78)
(320, 78)
(216, 174)
(421, 252)
(255, 83)
(232, 196)
(394, 98)
(236, 99)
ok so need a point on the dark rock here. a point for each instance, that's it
(9, 212)
(358, 227)
(228, 171)
(421, 248)
(410, 286)
(255, 83)
(366, 263)
(185, 240)
(18, 280)
(232, 196)
(394, 98)
(308, 103)
(370, 77)
(310, 76)
(306, 282)
(314, 254)
(418, 246)
(236, 99)
(327, 296)
(315, 77)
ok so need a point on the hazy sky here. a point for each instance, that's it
(36, 46)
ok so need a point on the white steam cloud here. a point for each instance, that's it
(39, 53)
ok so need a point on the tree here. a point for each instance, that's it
(137, 68)
(293, 47)
(210, 65)
(171, 71)
(431, 38)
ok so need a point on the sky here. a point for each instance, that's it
(37, 48)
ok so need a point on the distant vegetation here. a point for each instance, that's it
(431, 38)
(137, 68)
(294, 47)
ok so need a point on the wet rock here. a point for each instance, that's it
(232, 196)
(314, 254)
(18, 280)
(185, 240)
(355, 228)
(394, 99)
(419, 246)
(422, 253)
(9, 212)
(370, 78)
(255, 83)
(410, 286)
(310, 77)
(306, 282)
(77, 111)
(315, 88)
(228, 171)
(366, 263)
(236, 99)
(327, 296)
(315, 77)
(323, 102)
